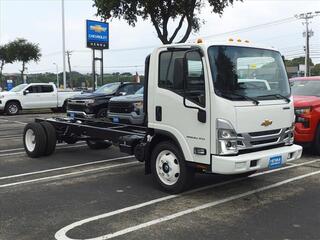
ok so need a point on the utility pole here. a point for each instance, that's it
(69, 64)
(57, 72)
(307, 34)
(63, 47)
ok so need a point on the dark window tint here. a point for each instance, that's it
(128, 89)
(170, 70)
(171, 75)
(33, 89)
(46, 88)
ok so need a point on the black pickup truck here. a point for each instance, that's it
(95, 105)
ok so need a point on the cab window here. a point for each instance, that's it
(171, 75)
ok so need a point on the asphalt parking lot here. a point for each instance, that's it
(79, 193)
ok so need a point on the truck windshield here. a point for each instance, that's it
(18, 88)
(109, 88)
(306, 88)
(242, 72)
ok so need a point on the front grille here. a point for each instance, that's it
(74, 107)
(121, 107)
(262, 142)
(264, 133)
(254, 140)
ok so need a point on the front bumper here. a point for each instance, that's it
(132, 118)
(304, 135)
(253, 161)
(79, 114)
(2, 105)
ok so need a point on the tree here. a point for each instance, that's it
(25, 52)
(297, 61)
(6, 56)
(316, 70)
(160, 13)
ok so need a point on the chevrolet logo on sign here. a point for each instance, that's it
(98, 28)
(266, 123)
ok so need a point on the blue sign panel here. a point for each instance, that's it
(97, 35)
(9, 85)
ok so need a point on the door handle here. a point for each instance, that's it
(158, 113)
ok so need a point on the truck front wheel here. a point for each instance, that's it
(169, 168)
(12, 108)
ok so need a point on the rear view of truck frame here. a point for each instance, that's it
(206, 111)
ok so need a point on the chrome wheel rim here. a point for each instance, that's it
(168, 167)
(13, 109)
(30, 140)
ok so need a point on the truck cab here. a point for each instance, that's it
(198, 106)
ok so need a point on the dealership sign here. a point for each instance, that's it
(97, 35)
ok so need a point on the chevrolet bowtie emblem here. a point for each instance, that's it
(266, 123)
(98, 28)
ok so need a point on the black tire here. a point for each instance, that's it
(102, 113)
(12, 108)
(98, 144)
(316, 142)
(184, 178)
(40, 140)
(51, 138)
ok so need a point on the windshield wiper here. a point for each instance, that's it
(255, 101)
(279, 96)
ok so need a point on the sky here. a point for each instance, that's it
(39, 21)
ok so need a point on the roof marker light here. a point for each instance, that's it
(200, 40)
(230, 39)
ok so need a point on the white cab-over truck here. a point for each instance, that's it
(204, 112)
(33, 96)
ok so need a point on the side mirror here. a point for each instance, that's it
(25, 92)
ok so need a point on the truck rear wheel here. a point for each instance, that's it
(34, 140)
(98, 144)
(51, 138)
(169, 168)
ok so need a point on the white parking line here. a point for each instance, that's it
(19, 153)
(19, 149)
(5, 120)
(64, 168)
(201, 207)
(67, 174)
(61, 234)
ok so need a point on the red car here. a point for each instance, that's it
(306, 95)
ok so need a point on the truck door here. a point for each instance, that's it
(30, 97)
(48, 96)
(181, 102)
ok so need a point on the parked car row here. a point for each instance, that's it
(34, 96)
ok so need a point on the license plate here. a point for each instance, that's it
(115, 120)
(275, 162)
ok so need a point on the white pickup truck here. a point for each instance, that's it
(33, 96)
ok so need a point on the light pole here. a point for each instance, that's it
(63, 47)
(57, 71)
(307, 34)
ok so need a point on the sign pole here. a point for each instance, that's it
(94, 69)
(101, 70)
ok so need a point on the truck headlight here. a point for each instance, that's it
(90, 101)
(301, 111)
(226, 138)
(289, 137)
(138, 106)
